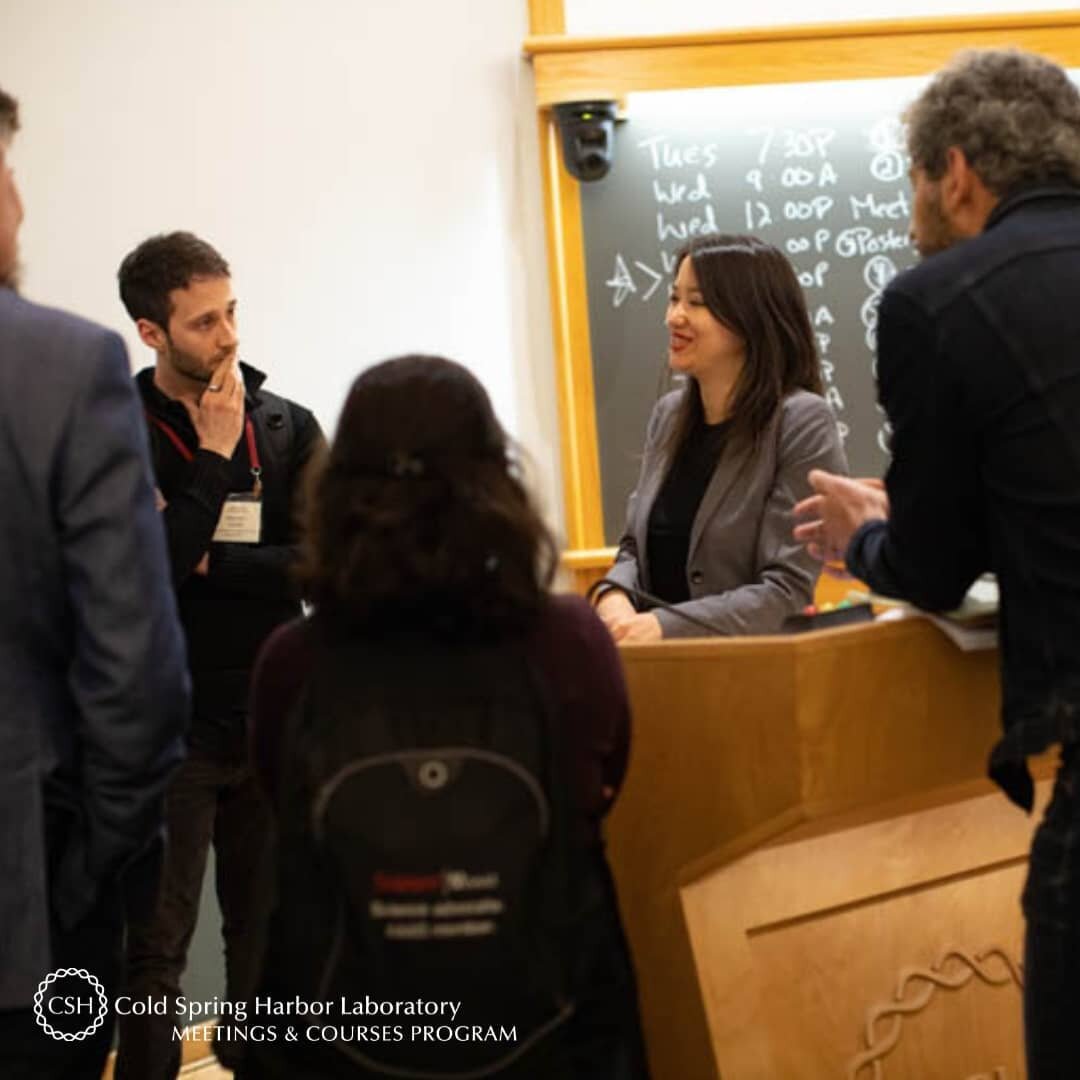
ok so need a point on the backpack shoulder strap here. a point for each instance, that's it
(291, 769)
(276, 426)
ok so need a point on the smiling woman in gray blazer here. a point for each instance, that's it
(709, 528)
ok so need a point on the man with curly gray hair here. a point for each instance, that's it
(1009, 118)
(979, 374)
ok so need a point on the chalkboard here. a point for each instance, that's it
(818, 169)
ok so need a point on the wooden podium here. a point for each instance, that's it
(816, 878)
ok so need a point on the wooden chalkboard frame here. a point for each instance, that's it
(576, 68)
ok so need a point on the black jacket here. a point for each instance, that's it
(979, 373)
(228, 613)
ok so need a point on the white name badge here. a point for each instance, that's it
(240, 521)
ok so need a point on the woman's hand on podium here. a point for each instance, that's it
(614, 606)
(623, 621)
(638, 629)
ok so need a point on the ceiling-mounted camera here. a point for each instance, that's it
(588, 137)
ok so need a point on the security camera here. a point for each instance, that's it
(588, 137)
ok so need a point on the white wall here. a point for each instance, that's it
(369, 169)
(663, 17)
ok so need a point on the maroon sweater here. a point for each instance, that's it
(571, 648)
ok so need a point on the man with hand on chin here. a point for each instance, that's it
(229, 458)
(979, 374)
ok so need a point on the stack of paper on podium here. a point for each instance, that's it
(971, 626)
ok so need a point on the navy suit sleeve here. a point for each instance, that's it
(932, 547)
(128, 672)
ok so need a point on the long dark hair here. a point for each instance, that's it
(751, 288)
(419, 519)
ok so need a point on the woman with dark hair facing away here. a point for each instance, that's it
(440, 742)
(709, 528)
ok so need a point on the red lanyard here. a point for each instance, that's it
(187, 455)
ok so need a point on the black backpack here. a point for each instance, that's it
(429, 854)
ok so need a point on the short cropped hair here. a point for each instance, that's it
(159, 265)
(9, 116)
(1015, 116)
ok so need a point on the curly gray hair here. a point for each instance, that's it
(1015, 116)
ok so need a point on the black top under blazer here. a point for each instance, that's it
(745, 571)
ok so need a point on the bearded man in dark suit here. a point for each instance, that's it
(93, 691)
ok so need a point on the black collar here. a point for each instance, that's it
(1026, 196)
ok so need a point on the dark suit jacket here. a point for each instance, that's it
(745, 571)
(93, 686)
(979, 373)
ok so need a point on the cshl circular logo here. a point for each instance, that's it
(55, 999)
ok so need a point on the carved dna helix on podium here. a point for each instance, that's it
(915, 990)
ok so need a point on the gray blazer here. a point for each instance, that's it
(745, 572)
(93, 683)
